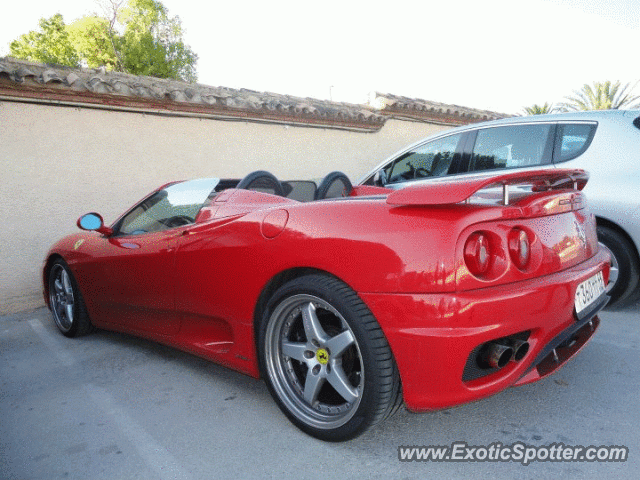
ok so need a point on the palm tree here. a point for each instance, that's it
(540, 109)
(602, 96)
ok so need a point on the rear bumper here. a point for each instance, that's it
(435, 336)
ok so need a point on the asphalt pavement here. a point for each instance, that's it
(112, 406)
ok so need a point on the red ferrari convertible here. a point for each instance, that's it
(347, 300)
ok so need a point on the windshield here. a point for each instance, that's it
(173, 206)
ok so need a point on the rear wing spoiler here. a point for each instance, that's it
(450, 191)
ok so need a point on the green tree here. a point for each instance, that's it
(50, 44)
(93, 42)
(602, 96)
(536, 109)
(138, 38)
(152, 42)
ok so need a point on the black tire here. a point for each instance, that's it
(325, 328)
(622, 289)
(66, 302)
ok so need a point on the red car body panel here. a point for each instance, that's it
(432, 335)
(199, 287)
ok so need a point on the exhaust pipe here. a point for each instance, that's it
(520, 349)
(498, 355)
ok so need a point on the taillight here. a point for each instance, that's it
(477, 253)
(519, 248)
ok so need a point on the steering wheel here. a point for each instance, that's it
(421, 173)
(177, 221)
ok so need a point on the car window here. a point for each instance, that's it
(572, 140)
(171, 207)
(433, 159)
(515, 146)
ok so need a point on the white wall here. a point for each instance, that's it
(59, 162)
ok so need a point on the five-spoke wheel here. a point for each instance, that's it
(66, 303)
(326, 360)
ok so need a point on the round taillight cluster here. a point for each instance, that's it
(519, 248)
(477, 253)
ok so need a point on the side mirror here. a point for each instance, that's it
(380, 178)
(93, 221)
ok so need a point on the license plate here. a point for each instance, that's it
(589, 291)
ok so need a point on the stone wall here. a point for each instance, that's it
(59, 162)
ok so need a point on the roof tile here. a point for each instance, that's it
(96, 85)
(421, 109)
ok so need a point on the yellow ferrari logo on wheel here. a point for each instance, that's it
(323, 356)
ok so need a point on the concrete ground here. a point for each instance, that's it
(116, 407)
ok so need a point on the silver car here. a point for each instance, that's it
(605, 143)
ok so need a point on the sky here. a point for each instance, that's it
(499, 55)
